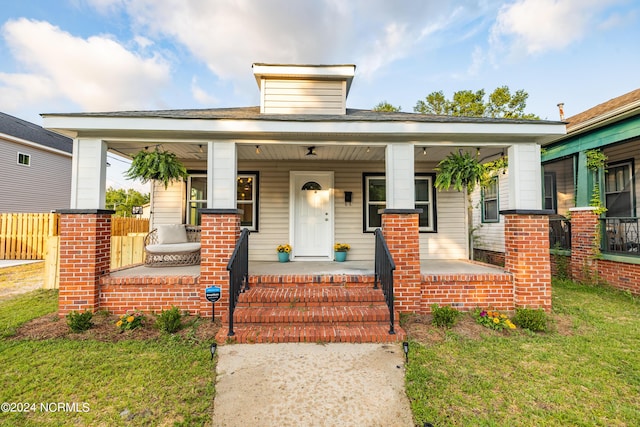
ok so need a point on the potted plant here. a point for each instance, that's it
(283, 252)
(340, 251)
(156, 165)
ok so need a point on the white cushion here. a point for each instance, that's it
(175, 248)
(172, 233)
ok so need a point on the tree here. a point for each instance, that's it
(386, 107)
(466, 103)
(122, 201)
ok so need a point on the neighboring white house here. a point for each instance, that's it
(305, 169)
(35, 167)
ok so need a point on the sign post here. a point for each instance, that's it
(212, 293)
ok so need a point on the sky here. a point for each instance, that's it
(67, 56)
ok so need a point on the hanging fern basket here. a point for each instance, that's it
(156, 165)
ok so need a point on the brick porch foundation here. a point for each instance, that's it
(526, 237)
(220, 232)
(85, 256)
(400, 230)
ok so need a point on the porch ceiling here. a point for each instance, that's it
(273, 151)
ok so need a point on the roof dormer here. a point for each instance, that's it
(303, 89)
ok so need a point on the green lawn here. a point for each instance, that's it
(588, 375)
(166, 381)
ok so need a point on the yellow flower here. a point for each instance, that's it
(504, 316)
(130, 319)
(496, 320)
(119, 323)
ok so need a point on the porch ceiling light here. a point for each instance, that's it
(258, 150)
(424, 151)
(311, 151)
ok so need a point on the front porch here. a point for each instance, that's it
(308, 301)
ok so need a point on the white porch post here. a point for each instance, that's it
(400, 176)
(222, 171)
(525, 187)
(88, 174)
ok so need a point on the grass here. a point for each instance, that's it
(166, 381)
(20, 309)
(589, 376)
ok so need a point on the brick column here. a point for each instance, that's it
(400, 230)
(584, 232)
(85, 256)
(526, 241)
(220, 232)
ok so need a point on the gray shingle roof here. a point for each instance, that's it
(253, 113)
(31, 132)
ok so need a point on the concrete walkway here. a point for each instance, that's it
(311, 385)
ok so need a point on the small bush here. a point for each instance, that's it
(531, 319)
(79, 322)
(169, 321)
(444, 316)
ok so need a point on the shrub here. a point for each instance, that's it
(493, 319)
(169, 321)
(130, 321)
(444, 316)
(79, 322)
(534, 320)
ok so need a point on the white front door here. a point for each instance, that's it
(311, 197)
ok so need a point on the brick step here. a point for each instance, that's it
(311, 280)
(363, 315)
(248, 334)
(309, 297)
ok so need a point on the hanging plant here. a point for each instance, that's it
(459, 170)
(596, 162)
(156, 165)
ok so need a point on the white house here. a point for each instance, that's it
(301, 168)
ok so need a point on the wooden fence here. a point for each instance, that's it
(125, 226)
(25, 235)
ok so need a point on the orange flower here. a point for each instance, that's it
(130, 319)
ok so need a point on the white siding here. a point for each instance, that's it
(43, 186)
(490, 236)
(291, 96)
(448, 242)
(168, 206)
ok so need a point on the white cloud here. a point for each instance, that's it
(538, 26)
(97, 73)
(201, 95)
(228, 36)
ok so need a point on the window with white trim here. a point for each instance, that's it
(24, 159)
(375, 198)
(247, 199)
(490, 201)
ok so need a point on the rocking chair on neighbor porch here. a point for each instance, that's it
(171, 245)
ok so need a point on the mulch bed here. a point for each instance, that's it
(104, 329)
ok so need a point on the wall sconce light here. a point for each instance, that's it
(405, 348)
(348, 195)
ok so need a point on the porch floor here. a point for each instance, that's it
(260, 268)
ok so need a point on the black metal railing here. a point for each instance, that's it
(559, 232)
(620, 235)
(384, 267)
(238, 268)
